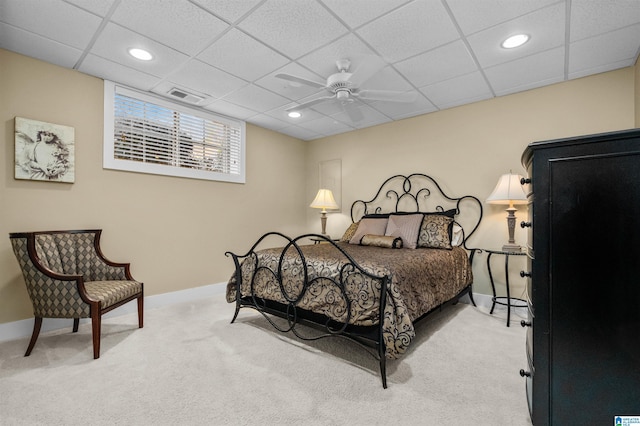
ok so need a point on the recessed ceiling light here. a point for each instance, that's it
(515, 41)
(295, 114)
(141, 54)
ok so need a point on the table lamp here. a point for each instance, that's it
(509, 191)
(324, 200)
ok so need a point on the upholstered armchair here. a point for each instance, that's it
(67, 276)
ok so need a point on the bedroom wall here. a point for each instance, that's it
(467, 148)
(173, 231)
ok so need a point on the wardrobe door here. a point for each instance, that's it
(594, 272)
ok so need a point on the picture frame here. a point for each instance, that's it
(44, 151)
(330, 177)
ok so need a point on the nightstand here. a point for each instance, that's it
(504, 300)
(317, 240)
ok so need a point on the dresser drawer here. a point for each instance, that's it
(529, 326)
(528, 385)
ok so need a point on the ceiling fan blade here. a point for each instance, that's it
(310, 103)
(300, 80)
(369, 66)
(354, 113)
(386, 95)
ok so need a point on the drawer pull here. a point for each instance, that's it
(524, 181)
(524, 224)
(525, 274)
(524, 323)
(525, 373)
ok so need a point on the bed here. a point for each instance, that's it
(405, 255)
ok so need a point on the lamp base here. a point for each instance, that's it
(511, 247)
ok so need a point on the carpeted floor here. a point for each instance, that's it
(189, 366)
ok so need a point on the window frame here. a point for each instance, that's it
(111, 162)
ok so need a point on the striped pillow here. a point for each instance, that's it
(406, 226)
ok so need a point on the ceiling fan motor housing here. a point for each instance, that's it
(339, 83)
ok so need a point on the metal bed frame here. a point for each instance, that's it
(413, 193)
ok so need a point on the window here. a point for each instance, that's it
(147, 134)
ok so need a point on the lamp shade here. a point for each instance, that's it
(324, 200)
(508, 191)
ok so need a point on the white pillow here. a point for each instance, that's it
(457, 235)
(369, 225)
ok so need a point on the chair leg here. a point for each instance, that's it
(76, 323)
(34, 336)
(140, 311)
(96, 321)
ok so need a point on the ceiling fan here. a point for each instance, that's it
(345, 87)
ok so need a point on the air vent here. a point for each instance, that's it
(184, 96)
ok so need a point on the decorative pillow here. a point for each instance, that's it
(381, 241)
(348, 234)
(457, 235)
(406, 227)
(375, 226)
(435, 232)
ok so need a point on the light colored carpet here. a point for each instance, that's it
(189, 366)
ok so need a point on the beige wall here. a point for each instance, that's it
(469, 147)
(173, 231)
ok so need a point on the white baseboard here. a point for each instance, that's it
(21, 329)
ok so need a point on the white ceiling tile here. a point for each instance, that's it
(387, 79)
(177, 23)
(410, 30)
(323, 61)
(330, 107)
(325, 126)
(289, 89)
(458, 90)
(358, 12)
(545, 27)
(99, 7)
(293, 27)
(114, 42)
(399, 110)
(424, 44)
(30, 44)
(243, 56)
(52, 19)
(223, 107)
(606, 52)
(100, 67)
(589, 17)
(230, 11)
(268, 122)
(206, 79)
(281, 114)
(473, 16)
(437, 65)
(300, 133)
(527, 73)
(254, 97)
(370, 117)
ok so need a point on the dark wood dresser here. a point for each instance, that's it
(583, 338)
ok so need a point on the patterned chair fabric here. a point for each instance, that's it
(67, 276)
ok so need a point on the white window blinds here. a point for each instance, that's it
(152, 135)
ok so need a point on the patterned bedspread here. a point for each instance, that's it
(420, 280)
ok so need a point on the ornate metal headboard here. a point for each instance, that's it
(420, 193)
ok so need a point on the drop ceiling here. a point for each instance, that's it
(228, 52)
